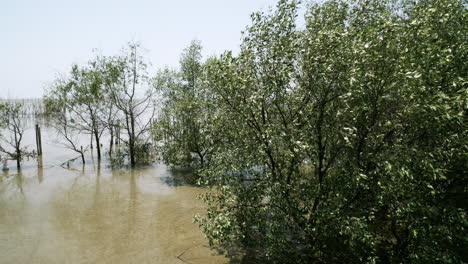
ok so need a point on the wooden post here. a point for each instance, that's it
(38, 140)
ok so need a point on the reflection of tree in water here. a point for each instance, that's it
(95, 218)
(40, 169)
(79, 214)
(96, 208)
(132, 203)
(180, 177)
(135, 235)
(102, 217)
(14, 216)
(14, 184)
(19, 182)
(97, 189)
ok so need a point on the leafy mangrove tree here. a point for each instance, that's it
(76, 102)
(131, 92)
(104, 95)
(184, 126)
(345, 141)
(11, 120)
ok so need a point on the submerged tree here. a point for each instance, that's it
(97, 96)
(345, 142)
(129, 88)
(60, 117)
(81, 103)
(184, 126)
(12, 121)
(87, 97)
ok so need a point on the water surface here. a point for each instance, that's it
(94, 214)
(55, 215)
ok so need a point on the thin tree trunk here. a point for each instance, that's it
(98, 144)
(132, 140)
(111, 144)
(202, 160)
(82, 156)
(18, 151)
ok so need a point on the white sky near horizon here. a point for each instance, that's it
(41, 39)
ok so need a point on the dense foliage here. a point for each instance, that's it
(345, 141)
(183, 126)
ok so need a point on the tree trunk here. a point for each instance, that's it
(111, 144)
(82, 155)
(202, 160)
(18, 151)
(132, 140)
(98, 144)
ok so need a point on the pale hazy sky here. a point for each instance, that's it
(40, 38)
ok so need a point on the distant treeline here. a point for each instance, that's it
(33, 107)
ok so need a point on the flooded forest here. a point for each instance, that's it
(339, 139)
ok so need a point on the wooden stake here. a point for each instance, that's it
(38, 140)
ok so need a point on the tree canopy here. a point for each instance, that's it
(109, 93)
(346, 141)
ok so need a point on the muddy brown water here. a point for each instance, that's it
(98, 215)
